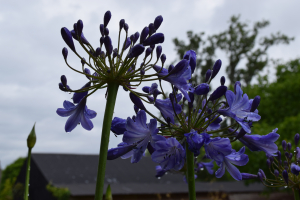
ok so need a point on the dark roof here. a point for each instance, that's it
(78, 173)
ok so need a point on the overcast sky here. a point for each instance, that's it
(31, 60)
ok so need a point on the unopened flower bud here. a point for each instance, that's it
(255, 103)
(246, 176)
(136, 109)
(31, 139)
(127, 43)
(148, 52)
(202, 89)
(87, 71)
(126, 27)
(219, 92)
(289, 146)
(83, 61)
(158, 51)
(222, 80)
(136, 51)
(144, 34)
(98, 51)
(142, 72)
(276, 172)
(296, 139)
(122, 23)
(157, 22)
(146, 89)
(216, 68)
(107, 17)
(108, 45)
(150, 99)
(137, 101)
(260, 176)
(65, 53)
(163, 58)
(101, 27)
(207, 75)
(295, 169)
(106, 32)
(79, 26)
(67, 36)
(102, 54)
(151, 29)
(283, 143)
(285, 176)
(63, 80)
(154, 39)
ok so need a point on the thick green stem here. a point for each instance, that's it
(296, 194)
(112, 90)
(26, 192)
(190, 175)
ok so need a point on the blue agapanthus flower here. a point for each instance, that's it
(236, 158)
(218, 146)
(264, 143)
(178, 76)
(78, 114)
(191, 56)
(136, 138)
(118, 126)
(195, 141)
(238, 108)
(169, 154)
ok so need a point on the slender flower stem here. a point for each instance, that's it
(26, 193)
(296, 194)
(112, 90)
(190, 173)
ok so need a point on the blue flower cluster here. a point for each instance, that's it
(106, 64)
(191, 122)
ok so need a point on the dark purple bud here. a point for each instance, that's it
(75, 30)
(276, 172)
(65, 54)
(132, 37)
(171, 67)
(296, 138)
(136, 109)
(144, 34)
(87, 71)
(219, 92)
(67, 36)
(246, 176)
(202, 89)
(137, 101)
(151, 29)
(142, 72)
(157, 22)
(151, 99)
(283, 145)
(237, 83)
(286, 162)
(286, 154)
(154, 39)
(216, 68)
(171, 96)
(126, 27)
(101, 27)
(146, 89)
(107, 17)
(79, 26)
(291, 156)
(163, 58)
(83, 61)
(108, 45)
(271, 159)
(63, 80)
(101, 41)
(269, 163)
(115, 54)
(136, 37)
(152, 46)
(106, 32)
(127, 43)
(158, 51)
(285, 176)
(207, 75)
(260, 176)
(255, 103)
(82, 38)
(262, 173)
(98, 51)
(190, 104)
(63, 88)
(222, 80)
(279, 157)
(122, 23)
(136, 51)
(183, 64)
(148, 52)
(289, 146)
(102, 54)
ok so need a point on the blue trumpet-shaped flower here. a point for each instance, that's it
(238, 108)
(218, 146)
(169, 154)
(78, 114)
(178, 76)
(195, 141)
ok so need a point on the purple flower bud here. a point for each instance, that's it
(65, 54)
(87, 71)
(62, 88)
(118, 126)
(67, 36)
(279, 157)
(283, 145)
(289, 146)
(291, 156)
(154, 39)
(75, 30)
(158, 51)
(286, 154)
(207, 75)
(219, 92)
(83, 61)
(79, 26)
(107, 17)
(148, 52)
(102, 54)
(151, 99)
(127, 43)
(136, 51)
(106, 32)
(163, 58)
(152, 46)
(157, 22)
(142, 72)
(132, 37)
(262, 173)
(260, 176)
(101, 27)
(63, 80)
(269, 163)
(122, 23)
(295, 169)
(222, 80)
(137, 101)
(216, 68)
(146, 89)
(246, 176)
(144, 34)
(255, 103)
(171, 67)
(285, 176)
(296, 138)
(82, 38)
(136, 37)
(136, 109)
(126, 27)
(108, 45)
(101, 41)
(202, 89)
(98, 51)
(237, 83)
(151, 29)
